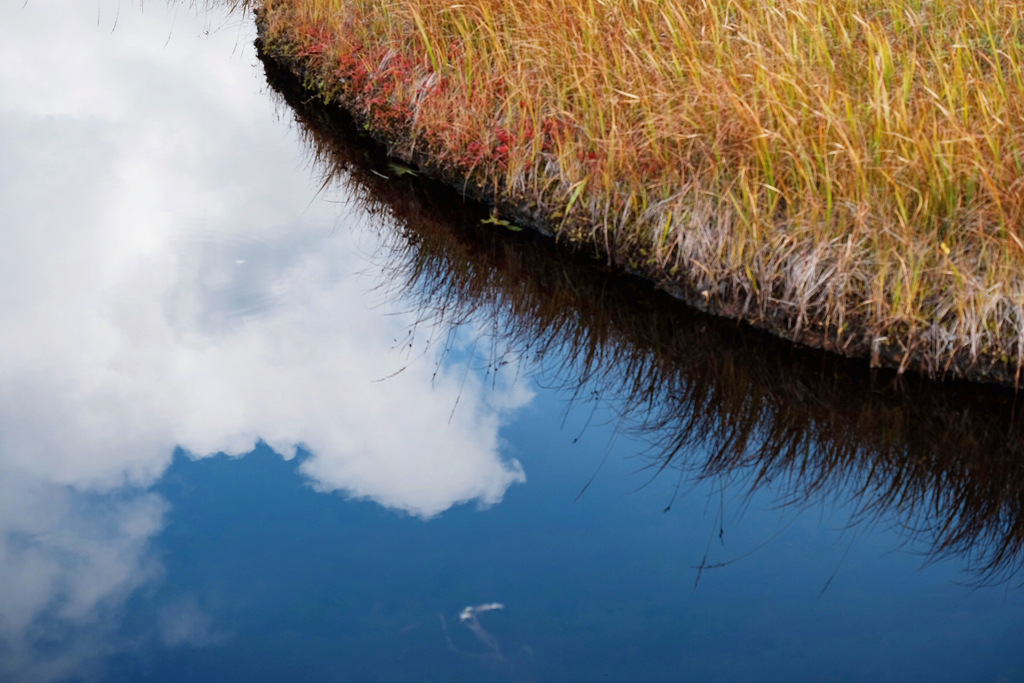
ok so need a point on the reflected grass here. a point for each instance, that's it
(711, 398)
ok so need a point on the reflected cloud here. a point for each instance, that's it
(167, 280)
(184, 622)
(69, 561)
(168, 297)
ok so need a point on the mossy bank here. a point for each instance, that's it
(848, 174)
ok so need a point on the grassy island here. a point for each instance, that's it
(848, 174)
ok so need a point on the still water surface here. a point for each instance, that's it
(269, 411)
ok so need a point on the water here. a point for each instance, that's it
(263, 423)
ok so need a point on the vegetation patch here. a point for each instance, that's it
(845, 173)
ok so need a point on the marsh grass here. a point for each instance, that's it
(846, 173)
(943, 463)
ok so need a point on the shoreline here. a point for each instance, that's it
(662, 363)
(392, 121)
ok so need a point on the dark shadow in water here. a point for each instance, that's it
(944, 462)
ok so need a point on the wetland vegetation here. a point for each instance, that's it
(848, 174)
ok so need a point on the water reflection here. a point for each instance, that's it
(945, 463)
(165, 283)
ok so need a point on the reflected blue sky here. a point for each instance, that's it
(226, 456)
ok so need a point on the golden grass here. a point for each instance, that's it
(842, 170)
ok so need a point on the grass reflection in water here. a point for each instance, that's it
(944, 462)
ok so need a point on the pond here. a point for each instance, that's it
(274, 408)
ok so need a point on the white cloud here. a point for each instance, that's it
(166, 280)
(185, 622)
(68, 562)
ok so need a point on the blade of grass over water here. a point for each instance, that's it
(845, 173)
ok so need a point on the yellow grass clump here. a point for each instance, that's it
(848, 173)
